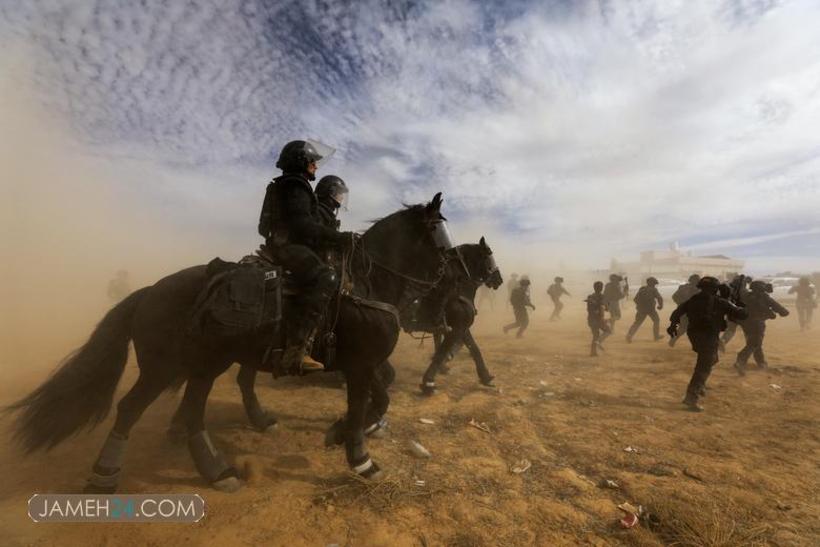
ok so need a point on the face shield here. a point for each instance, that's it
(324, 151)
(341, 195)
(441, 235)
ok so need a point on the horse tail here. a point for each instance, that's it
(80, 391)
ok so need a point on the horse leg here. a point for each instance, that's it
(437, 340)
(428, 381)
(260, 418)
(106, 471)
(208, 460)
(484, 375)
(375, 421)
(359, 382)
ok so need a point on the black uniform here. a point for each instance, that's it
(555, 292)
(804, 302)
(520, 299)
(596, 306)
(294, 233)
(760, 307)
(731, 330)
(684, 293)
(707, 313)
(645, 300)
(613, 294)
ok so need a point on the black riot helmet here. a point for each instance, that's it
(651, 281)
(559, 279)
(615, 278)
(334, 188)
(296, 156)
(694, 278)
(709, 284)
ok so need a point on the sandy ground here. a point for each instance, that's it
(744, 472)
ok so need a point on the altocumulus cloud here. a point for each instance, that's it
(607, 126)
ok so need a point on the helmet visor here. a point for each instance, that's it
(340, 195)
(324, 151)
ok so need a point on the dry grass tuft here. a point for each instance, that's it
(385, 493)
(688, 522)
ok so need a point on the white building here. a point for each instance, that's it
(676, 264)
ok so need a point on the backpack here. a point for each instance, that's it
(239, 300)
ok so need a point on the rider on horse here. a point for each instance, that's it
(294, 236)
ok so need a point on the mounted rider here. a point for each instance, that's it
(331, 195)
(294, 235)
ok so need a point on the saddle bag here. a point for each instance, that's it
(239, 300)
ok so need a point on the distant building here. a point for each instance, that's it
(676, 264)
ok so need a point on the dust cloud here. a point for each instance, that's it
(65, 233)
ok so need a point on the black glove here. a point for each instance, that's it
(672, 331)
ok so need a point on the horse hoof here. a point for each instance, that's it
(428, 388)
(335, 434)
(371, 472)
(265, 423)
(228, 485)
(488, 382)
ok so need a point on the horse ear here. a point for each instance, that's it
(435, 204)
(482, 242)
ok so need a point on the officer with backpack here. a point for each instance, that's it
(707, 313)
(520, 300)
(761, 307)
(645, 300)
(596, 306)
(294, 237)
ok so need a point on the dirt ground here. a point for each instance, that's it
(745, 472)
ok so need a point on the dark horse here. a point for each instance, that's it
(448, 311)
(448, 306)
(395, 253)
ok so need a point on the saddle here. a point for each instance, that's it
(244, 303)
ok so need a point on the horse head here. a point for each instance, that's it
(480, 264)
(412, 240)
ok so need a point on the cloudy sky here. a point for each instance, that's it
(585, 129)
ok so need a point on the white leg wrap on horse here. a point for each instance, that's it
(363, 467)
(113, 451)
(376, 426)
(208, 460)
(105, 481)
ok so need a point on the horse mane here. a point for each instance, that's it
(403, 210)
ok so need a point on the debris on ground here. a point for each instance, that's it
(609, 483)
(426, 421)
(660, 470)
(632, 450)
(693, 475)
(479, 425)
(418, 450)
(520, 466)
(631, 514)
(776, 387)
